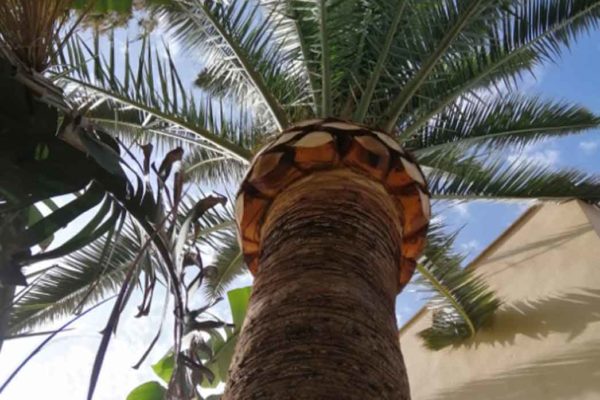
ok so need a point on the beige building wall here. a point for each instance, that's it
(545, 340)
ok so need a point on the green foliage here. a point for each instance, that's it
(216, 352)
(223, 346)
(148, 391)
(154, 89)
(238, 301)
(508, 121)
(229, 264)
(495, 179)
(83, 278)
(164, 367)
(435, 74)
(460, 300)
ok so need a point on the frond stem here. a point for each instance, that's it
(257, 80)
(404, 97)
(238, 152)
(367, 96)
(325, 61)
(446, 293)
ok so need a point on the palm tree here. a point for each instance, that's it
(338, 203)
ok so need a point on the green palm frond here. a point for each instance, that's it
(469, 179)
(80, 279)
(228, 264)
(330, 31)
(511, 120)
(215, 227)
(518, 32)
(461, 302)
(289, 34)
(451, 27)
(204, 166)
(155, 90)
(526, 34)
(436, 72)
(241, 60)
(484, 70)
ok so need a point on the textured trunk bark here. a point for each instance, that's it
(321, 322)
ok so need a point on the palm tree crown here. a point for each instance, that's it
(437, 75)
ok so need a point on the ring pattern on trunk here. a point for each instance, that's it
(331, 143)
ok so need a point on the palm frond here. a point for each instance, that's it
(214, 228)
(508, 35)
(486, 69)
(450, 20)
(154, 89)
(228, 264)
(204, 166)
(81, 279)
(511, 120)
(378, 69)
(241, 57)
(288, 33)
(461, 302)
(470, 179)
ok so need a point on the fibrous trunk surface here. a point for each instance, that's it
(321, 321)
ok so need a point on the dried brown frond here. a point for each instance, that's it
(30, 29)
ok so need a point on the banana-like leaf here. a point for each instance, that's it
(223, 346)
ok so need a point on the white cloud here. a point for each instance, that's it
(589, 147)
(534, 156)
(470, 246)
(462, 209)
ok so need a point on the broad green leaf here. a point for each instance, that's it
(223, 348)
(93, 230)
(238, 302)
(164, 367)
(47, 226)
(148, 391)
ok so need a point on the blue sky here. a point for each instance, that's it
(62, 369)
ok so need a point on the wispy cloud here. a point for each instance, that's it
(470, 246)
(461, 209)
(536, 156)
(589, 147)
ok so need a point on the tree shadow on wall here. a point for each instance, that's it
(554, 377)
(538, 247)
(564, 313)
(558, 377)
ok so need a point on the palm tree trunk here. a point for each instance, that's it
(321, 321)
